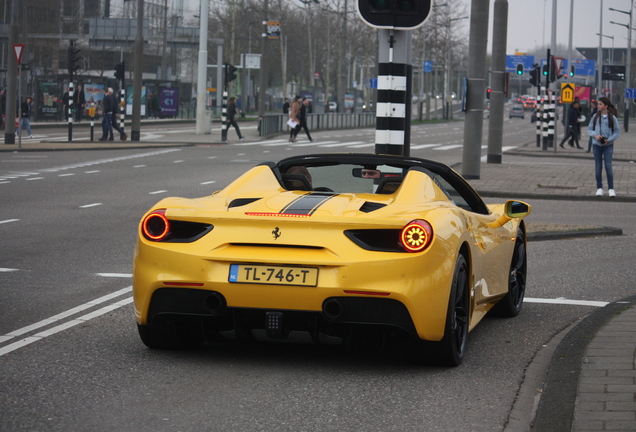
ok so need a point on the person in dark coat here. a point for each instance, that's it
(231, 114)
(109, 110)
(302, 117)
(79, 102)
(572, 128)
(286, 106)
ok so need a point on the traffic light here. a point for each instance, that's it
(394, 14)
(120, 69)
(519, 69)
(488, 90)
(73, 58)
(230, 72)
(572, 71)
(545, 70)
(535, 80)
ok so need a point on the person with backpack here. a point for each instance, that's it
(604, 129)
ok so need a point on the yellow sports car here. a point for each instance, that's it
(331, 248)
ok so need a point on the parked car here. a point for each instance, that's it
(331, 248)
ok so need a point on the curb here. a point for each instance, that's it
(587, 232)
(557, 402)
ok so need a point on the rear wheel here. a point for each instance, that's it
(173, 335)
(451, 349)
(511, 304)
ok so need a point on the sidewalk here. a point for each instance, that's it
(570, 386)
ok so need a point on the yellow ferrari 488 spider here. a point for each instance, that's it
(331, 248)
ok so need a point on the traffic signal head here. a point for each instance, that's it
(73, 58)
(488, 90)
(545, 70)
(572, 70)
(534, 76)
(120, 69)
(394, 14)
(230, 72)
(519, 69)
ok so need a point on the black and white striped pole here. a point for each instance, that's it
(393, 109)
(72, 67)
(395, 19)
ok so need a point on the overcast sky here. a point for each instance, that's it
(530, 23)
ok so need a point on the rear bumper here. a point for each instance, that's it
(339, 319)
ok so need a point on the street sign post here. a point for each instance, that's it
(18, 49)
(567, 92)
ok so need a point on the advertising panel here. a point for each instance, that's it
(169, 101)
(49, 100)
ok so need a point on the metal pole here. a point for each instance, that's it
(474, 123)
(628, 74)
(12, 74)
(262, 78)
(599, 56)
(498, 74)
(202, 70)
(135, 129)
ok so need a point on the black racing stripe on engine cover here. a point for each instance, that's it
(307, 204)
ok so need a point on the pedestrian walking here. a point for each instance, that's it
(604, 129)
(302, 117)
(592, 114)
(107, 121)
(65, 102)
(293, 121)
(79, 102)
(26, 115)
(231, 114)
(115, 119)
(572, 126)
(3, 107)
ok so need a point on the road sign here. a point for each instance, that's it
(567, 92)
(513, 60)
(373, 83)
(18, 49)
(428, 66)
(630, 93)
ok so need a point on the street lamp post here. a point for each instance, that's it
(628, 71)
(447, 89)
(611, 60)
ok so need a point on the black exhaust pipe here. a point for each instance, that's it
(332, 309)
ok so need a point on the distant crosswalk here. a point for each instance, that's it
(352, 144)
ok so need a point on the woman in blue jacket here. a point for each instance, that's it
(604, 130)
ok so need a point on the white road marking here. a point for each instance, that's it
(66, 175)
(5, 270)
(35, 178)
(115, 275)
(91, 172)
(66, 314)
(9, 220)
(90, 205)
(564, 301)
(80, 320)
(157, 192)
(421, 146)
(208, 182)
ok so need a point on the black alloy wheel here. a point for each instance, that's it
(511, 304)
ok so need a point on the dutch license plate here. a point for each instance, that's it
(273, 275)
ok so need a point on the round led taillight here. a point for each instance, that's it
(156, 226)
(416, 236)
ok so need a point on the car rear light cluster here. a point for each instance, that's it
(416, 236)
(157, 227)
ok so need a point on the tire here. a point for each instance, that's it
(172, 336)
(451, 349)
(511, 304)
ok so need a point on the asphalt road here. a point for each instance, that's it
(67, 227)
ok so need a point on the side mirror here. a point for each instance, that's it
(512, 210)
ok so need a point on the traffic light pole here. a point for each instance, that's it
(224, 122)
(395, 83)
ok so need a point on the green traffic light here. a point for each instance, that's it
(406, 5)
(379, 5)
